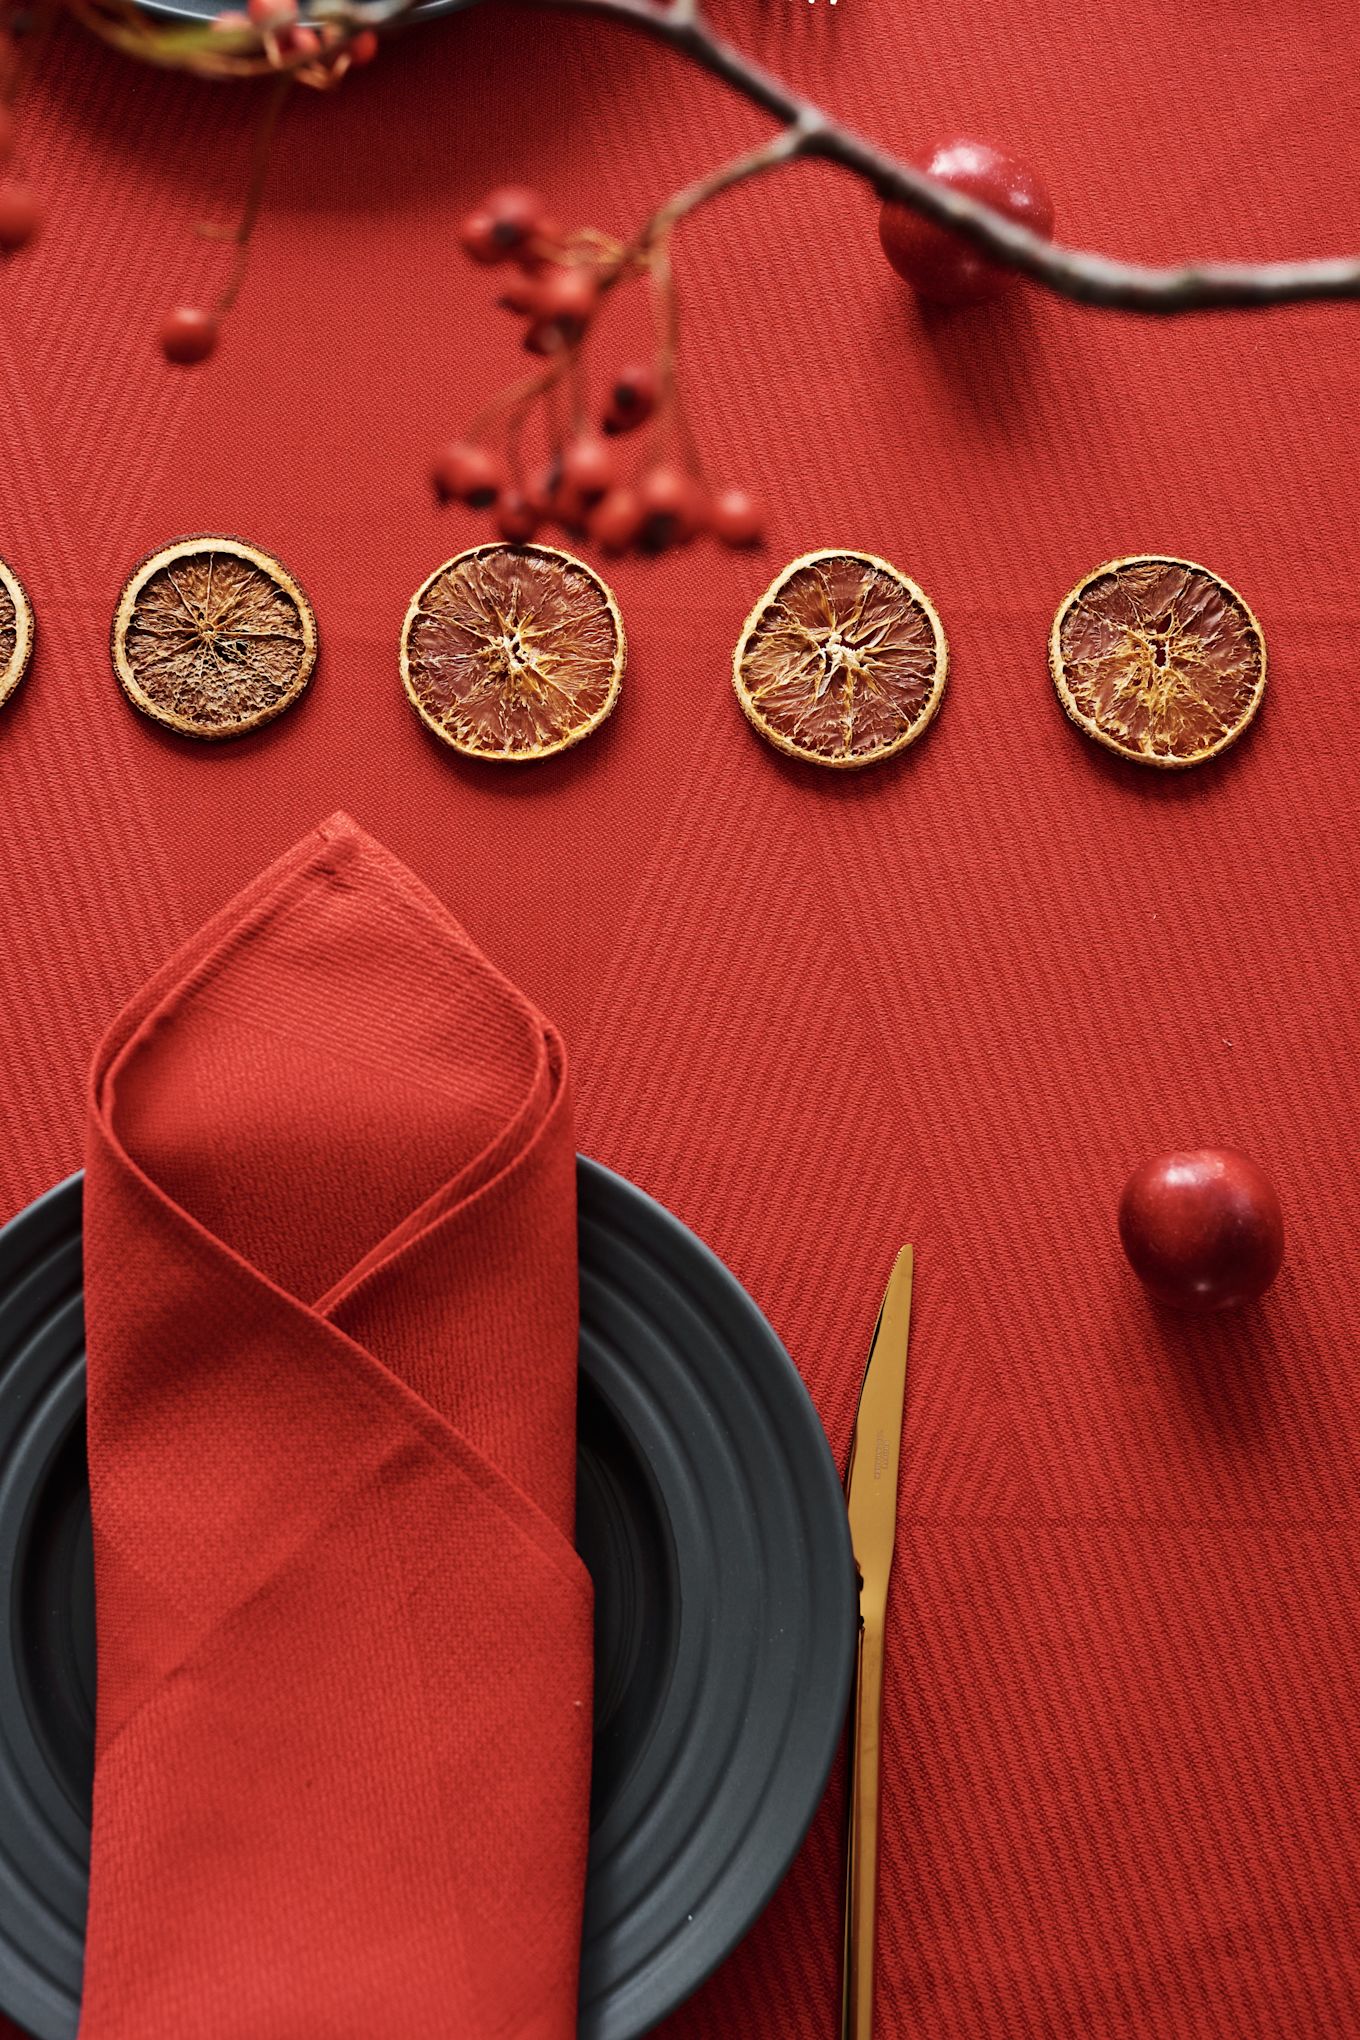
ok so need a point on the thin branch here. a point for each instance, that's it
(1073, 273)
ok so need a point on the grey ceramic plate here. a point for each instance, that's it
(709, 1513)
(204, 10)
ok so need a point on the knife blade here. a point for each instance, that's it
(871, 1501)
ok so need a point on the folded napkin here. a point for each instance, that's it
(344, 1719)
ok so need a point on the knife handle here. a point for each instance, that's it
(861, 1856)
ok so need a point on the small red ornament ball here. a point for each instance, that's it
(20, 216)
(188, 335)
(942, 266)
(1202, 1228)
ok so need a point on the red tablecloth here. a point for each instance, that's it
(952, 1001)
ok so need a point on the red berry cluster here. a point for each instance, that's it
(20, 213)
(301, 45)
(556, 288)
(317, 55)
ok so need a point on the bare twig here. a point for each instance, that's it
(806, 131)
(1086, 278)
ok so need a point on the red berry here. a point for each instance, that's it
(615, 522)
(272, 13)
(544, 245)
(520, 295)
(1203, 1229)
(514, 214)
(541, 494)
(20, 216)
(587, 467)
(467, 473)
(477, 238)
(734, 518)
(363, 48)
(632, 398)
(541, 338)
(566, 301)
(672, 509)
(942, 266)
(569, 510)
(188, 335)
(302, 42)
(516, 517)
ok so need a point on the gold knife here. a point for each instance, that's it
(871, 1498)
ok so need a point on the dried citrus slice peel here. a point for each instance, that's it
(16, 631)
(512, 651)
(212, 637)
(1159, 660)
(842, 661)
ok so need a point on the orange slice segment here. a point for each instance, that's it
(842, 661)
(16, 631)
(213, 637)
(512, 651)
(1159, 660)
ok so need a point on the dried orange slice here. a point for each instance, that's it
(512, 651)
(1159, 660)
(842, 661)
(16, 631)
(213, 637)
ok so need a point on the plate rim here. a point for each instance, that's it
(44, 1223)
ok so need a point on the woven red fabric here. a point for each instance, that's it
(343, 1748)
(954, 1001)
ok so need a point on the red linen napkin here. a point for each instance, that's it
(344, 1638)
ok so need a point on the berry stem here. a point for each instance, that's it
(254, 198)
(784, 147)
(1073, 273)
(517, 398)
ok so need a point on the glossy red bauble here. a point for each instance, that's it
(942, 266)
(188, 335)
(1202, 1228)
(20, 216)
